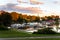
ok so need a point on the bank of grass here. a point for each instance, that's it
(42, 39)
(47, 39)
(14, 33)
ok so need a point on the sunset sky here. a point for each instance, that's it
(44, 7)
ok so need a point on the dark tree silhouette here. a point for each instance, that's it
(57, 22)
(37, 19)
(20, 20)
(6, 19)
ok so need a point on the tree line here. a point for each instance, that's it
(7, 18)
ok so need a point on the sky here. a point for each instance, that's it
(41, 7)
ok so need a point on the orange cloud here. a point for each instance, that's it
(31, 1)
(31, 9)
(35, 2)
(34, 9)
(20, 1)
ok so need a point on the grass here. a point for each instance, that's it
(15, 33)
(42, 39)
(12, 33)
(39, 39)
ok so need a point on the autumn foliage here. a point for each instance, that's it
(18, 17)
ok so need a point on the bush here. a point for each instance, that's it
(2, 27)
(45, 31)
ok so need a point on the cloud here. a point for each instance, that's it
(7, 7)
(20, 1)
(56, 2)
(35, 2)
(14, 7)
(28, 9)
(11, 4)
(34, 9)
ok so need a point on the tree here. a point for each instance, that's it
(45, 31)
(26, 21)
(6, 19)
(57, 22)
(0, 20)
(49, 18)
(20, 20)
(37, 19)
(14, 15)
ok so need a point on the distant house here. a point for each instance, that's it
(34, 24)
(16, 25)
